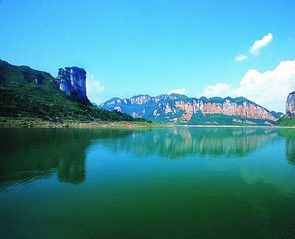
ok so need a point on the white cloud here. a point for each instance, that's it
(220, 89)
(255, 48)
(94, 88)
(177, 91)
(257, 45)
(97, 86)
(269, 89)
(240, 58)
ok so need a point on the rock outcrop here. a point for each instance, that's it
(180, 108)
(72, 81)
(290, 105)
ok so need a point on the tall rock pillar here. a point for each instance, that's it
(290, 105)
(72, 81)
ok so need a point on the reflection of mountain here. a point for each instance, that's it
(290, 149)
(29, 153)
(183, 141)
(290, 144)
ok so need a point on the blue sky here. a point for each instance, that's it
(155, 47)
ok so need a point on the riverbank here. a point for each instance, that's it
(39, 123)
(241, 126)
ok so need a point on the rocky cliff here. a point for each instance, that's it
(72, 81)
(289, 118)
(182, 109)
(290, 105)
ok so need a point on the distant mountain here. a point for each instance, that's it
(289, 118)
(184, 110)
(25, 92)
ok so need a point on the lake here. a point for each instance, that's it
(181, 182)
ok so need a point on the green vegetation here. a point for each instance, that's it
(221, 119)
(287, 121)
(25, 92)
(216, 99)
(240, 100)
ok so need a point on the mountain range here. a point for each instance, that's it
(28, 93)
(185, 110)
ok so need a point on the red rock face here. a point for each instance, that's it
(179, 108)
(246, 109)
(212, 108)
(187, 107)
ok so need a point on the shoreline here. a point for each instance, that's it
(39, 123)
(239, 126)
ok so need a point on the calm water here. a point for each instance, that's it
(161, 183)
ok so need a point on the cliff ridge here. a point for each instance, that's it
(182, 109)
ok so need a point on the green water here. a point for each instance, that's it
(162, 183)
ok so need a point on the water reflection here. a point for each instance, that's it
(27, 154)
(289, 144)
(185, 141)
(243, 187)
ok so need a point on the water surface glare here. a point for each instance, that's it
(159, 183)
